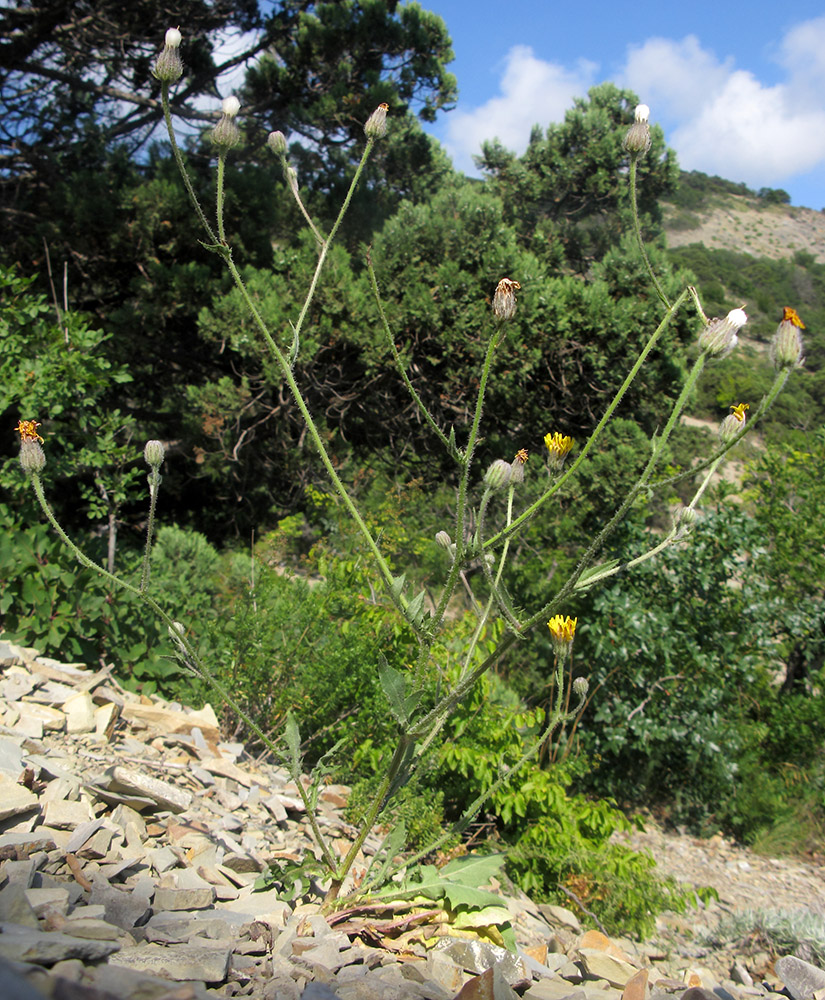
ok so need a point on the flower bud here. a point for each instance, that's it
(498, 474)
(277, 143)
(32, 456)
(637, 139)
(154, 453)
(504, 299)
(733, 423)
(683, 521)
(443, 539)
(376, 126)
(719, 338)
(226, 133)
(580, 686)
(517, 466)
(786, 346)
(558, 447)
(168, 65)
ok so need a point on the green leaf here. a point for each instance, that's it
(583, 581)
(473, 869)
(415, 607)
(465, 895)
(293, 742)
(394, 687)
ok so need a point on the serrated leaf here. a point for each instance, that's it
(473, 869)
(397, 584)
(415, 607)
(394, 687)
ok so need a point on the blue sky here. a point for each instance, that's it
(738, 89)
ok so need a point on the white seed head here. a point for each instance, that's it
(642, 113)
(230, 106)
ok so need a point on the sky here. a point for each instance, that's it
(739, 89)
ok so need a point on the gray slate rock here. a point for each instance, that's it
(800, 978)
(181, 962)
(23, 944)
(15, 987)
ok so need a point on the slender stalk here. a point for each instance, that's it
(372, 814)
(220, 195)
(425, 413)
(637, 228)
(154, 485)
(167, 117)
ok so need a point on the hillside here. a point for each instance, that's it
(727, 216)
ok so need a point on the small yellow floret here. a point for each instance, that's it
(562, 629)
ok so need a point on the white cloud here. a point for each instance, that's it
(723, 120)
(531, 92)
(672, 76)
(720, 119)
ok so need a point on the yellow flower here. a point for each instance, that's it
(739, 411)
(558, 446)
(27, 429)
(563, 631)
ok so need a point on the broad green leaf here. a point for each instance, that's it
(465, 895)
(394, 687)
(473, 869)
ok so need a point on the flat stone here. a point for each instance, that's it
(479, 956)
(20, 873)
(50, 900)
(54, 768)
(490, 985)
(261, 906)
(124, 908)
(801, 979)
(14, 798)
(226, 769)
(552, 989)
(82, 833)
(22, 944)
(15, 907)
(141, 788)
(183, 899)
(600, 965)
(50, 719)
(181, 962)
(89, 927)
(444, 971)
(162, 859)
(117, 981)
(11, 758)
(80, 713)
(65, 815)
(178, 928)
(97, 846)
